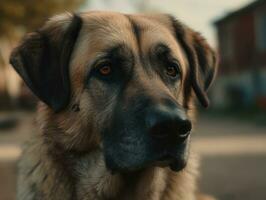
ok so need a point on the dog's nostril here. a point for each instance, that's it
(184, 129)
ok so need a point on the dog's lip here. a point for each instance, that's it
(174, 164)
(177, 165)
(168, 159)
(164, 160)
(165, 157)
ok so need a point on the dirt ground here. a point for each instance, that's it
(233, 157)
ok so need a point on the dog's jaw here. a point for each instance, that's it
(134, 185)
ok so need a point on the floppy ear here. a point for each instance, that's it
(201, 57)
(42, 60)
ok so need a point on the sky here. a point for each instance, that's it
(198, 14)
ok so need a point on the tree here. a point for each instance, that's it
(16, 18)
(30, 14)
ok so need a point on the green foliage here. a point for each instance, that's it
(30, 14)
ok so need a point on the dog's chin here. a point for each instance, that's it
(173, 157)
(174, 164)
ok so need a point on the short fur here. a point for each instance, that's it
(67, 156)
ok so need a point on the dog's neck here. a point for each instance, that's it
(145, 184)
(153, 183)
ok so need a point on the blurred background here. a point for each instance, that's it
(230, 136)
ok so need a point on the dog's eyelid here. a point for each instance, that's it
(175, 61)
(103, 61)
(179, 65)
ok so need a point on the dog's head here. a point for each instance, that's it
(124, 83)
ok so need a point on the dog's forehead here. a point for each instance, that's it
(157, 29)
(106, 29)
(103, 30)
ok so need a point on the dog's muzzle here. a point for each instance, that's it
(148, 133)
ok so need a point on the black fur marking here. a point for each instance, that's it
(136, 30)
(35, 192)
(75, 108)
(34, 168)
(44, 178)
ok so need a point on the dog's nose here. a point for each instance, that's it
(165, 122)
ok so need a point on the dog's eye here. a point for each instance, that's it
(173, 70)
(105, 70)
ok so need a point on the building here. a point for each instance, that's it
(242, 48)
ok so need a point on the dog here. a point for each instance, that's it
(117, 107)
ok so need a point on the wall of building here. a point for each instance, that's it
(239, 90)
(242, 46)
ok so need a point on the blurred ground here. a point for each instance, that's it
(233, 153)
(10, 142)
(233, 157)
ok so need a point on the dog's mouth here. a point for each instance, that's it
(172, 155)
(134, 153)
(130, 158)
(175, 163)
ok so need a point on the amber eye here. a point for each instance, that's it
(105, 70)
(172, 71)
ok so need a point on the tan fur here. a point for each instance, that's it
(64, 160)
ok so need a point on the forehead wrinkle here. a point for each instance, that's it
(136, 29)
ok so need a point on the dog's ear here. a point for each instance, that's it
(201, 57)
(42, 60)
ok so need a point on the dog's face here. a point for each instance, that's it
(123, 83)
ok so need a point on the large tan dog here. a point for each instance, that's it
(118, 95)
